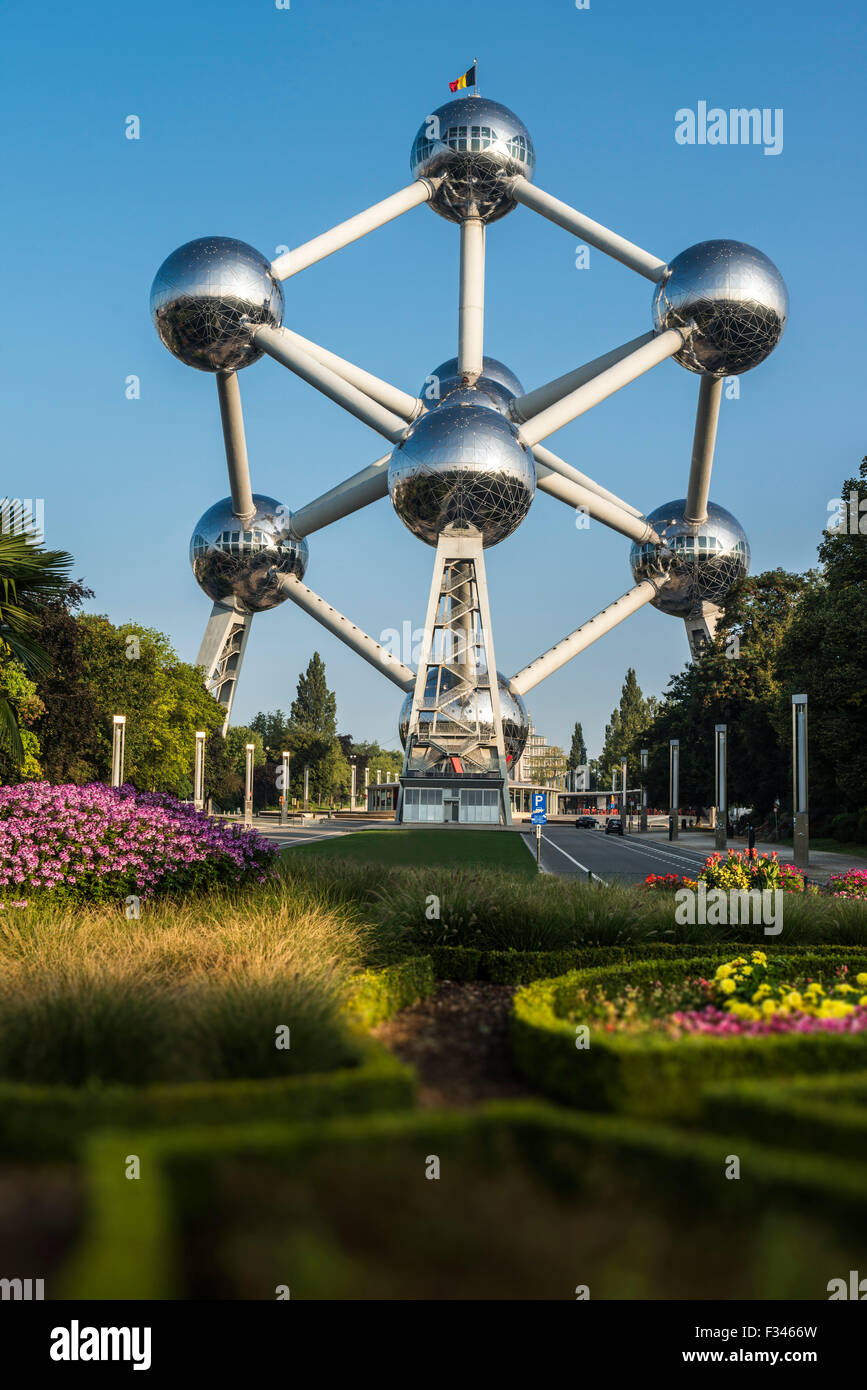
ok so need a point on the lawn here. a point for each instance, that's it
(414, 849)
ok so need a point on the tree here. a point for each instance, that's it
(67, 725)
(30, 576)
(315, 706)
(21, 692)
(578, 751)
(628, 725)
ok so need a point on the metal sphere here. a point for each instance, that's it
(247, 561)
(704, 561)
(200, 295)
(476, 146)
(736, 299)
(496, 387)
(513, 713)
(462, 468)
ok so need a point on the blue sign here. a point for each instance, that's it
(538, 816)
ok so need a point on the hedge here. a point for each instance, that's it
(50, 1121)
(819, 1114)
(131, 1245)
(650, 1075)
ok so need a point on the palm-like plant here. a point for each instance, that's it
(29, 576)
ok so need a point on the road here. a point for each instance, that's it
(572, 853)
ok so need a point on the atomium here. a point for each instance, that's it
(733, 296)
(461, 467)
(475, 146)
(201, 295)
(495, 387)
(247, 560)
(701, 561)
(468, 706)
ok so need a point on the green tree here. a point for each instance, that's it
(578, 750)
(315, 706)
(67, 726)
(628, 725)
(21, 692)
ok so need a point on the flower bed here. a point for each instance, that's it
(852, 884)
(96, 843)
(745, 870)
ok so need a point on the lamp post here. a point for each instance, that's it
(366, 788)
(199, 772)
(642, 823)
(306, 787)
(250, 749)
(118, 747)
(721, 790)
(800, 804)
(353, 770)
(673, 785)
(623, 793)
(284, 800)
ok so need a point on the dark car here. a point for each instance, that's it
(614, 826)
(586, 823)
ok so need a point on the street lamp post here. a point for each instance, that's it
(118, 747)
(673, 786)
(721, 790)
(284, 800)
(623, 793)
(306, 787)
(642, 824)
(199, 773)
(250, 750)
(354, 776)
(800, 804)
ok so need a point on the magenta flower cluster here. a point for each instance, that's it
(95, 843)
(852, 884)
(721, 1024)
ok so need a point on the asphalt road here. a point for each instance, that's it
(572, 853)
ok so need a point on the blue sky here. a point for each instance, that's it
(271, 125)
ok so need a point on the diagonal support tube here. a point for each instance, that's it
(364, 487)
(582, 637)
(353, 636)
(704, 441)
(400, 402)
(651, 267)
(600, 387)
(420, 191)
(534, 402)
(232, 417)
(609, 513)
(278, 343)
(547, 462)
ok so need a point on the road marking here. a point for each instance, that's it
(553, 845)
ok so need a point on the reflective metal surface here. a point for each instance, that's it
(200, 294)
(703, 561)
(477, 146)
(470, 704)
(496, 386)
(246, 561)
(461, 467)
(737, 300)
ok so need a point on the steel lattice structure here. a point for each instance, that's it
(466, 454)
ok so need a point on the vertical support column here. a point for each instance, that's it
(704, 439)
(284, 780)
(118, 749)
(249, 750)
(721, 791)
(673, 787)
(232, 418)
(199, 771)
(472, 299)
(800, 800)
(642, 823)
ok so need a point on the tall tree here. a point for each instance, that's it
(315, 706)
(578, 751)
(628, 725)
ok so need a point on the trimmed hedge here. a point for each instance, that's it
(651, 1075)
(51, 1121)
(132, 1245)
(819, 1114)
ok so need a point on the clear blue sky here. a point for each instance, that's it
(271, 125)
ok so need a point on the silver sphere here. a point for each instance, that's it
(704, 561)
(462, 468)
(496, 387)
(513, 713)
(735, 297)
(200, 295)
(247, 561)
(477, 146)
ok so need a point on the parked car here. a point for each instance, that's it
(586, 823)
(614, 826)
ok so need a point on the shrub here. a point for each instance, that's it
(97, 844)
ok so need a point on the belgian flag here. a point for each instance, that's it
(467, 80)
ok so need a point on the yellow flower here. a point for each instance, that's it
(793, 999)
(723, 972)
(861, 979)
(863, 1000)
(727, 986)
(761, 992)
(759, 958)
(747, 970)
(769, 1007)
